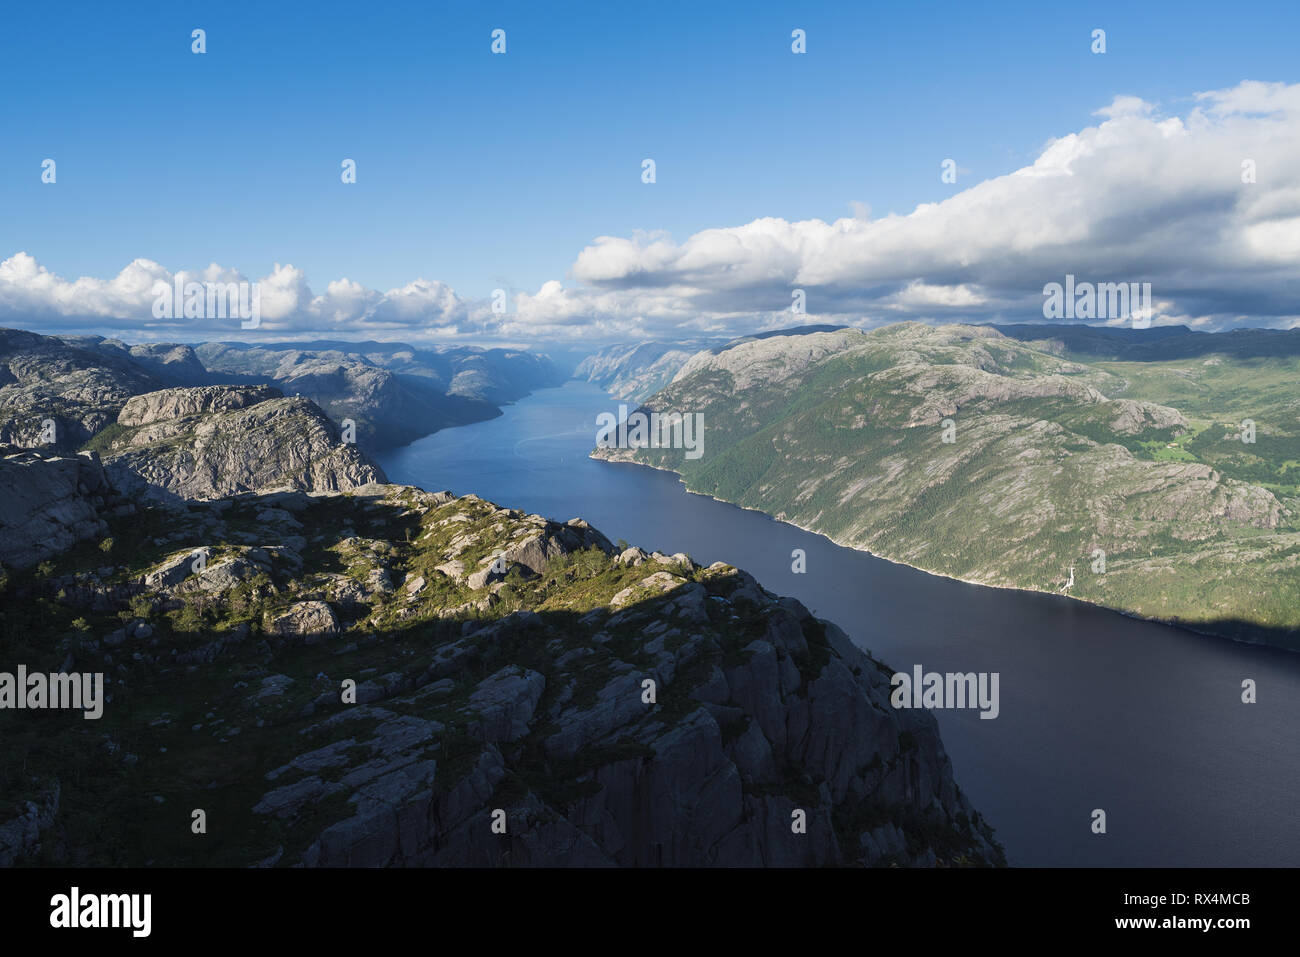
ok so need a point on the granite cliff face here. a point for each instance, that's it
(392, 677)
(169, 405)
(212, 441)
(49, 503)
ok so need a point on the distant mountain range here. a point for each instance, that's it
(640, 370)
(393, 392)
(1010, 455)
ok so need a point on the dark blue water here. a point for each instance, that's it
(1097, 710)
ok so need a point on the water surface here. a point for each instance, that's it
(1098, 710)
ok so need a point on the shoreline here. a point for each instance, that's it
(1127, 613)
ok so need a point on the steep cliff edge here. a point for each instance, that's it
(396, 677)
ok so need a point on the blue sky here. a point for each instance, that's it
(482, 171)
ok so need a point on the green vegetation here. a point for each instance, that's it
(104, 440)
(1057, 455)
(208, 704)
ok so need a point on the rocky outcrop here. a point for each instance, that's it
(211, 442)
(48, 503)
(1130, 417)
(171, 404)
(592, 708)
(529, 556)
(307, 621)
(55, 396)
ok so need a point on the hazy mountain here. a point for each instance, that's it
(393, 392)
(1157, 344)
(174, 364)
(638, 371)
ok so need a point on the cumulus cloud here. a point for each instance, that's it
(1204, 204)
(1141, 196)
(33, 296)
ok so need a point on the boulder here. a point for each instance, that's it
(309, 621)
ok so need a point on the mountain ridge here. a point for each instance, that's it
(1054, 462)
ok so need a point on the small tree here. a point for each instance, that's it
(189, 619)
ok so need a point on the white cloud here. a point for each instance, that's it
(1141, 196)
(1138, 197)
(33, 296)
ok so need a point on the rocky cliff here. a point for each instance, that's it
(212, 441)
(48, 503)
(395, 677)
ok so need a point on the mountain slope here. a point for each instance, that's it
(79, 389)
(1050, 465)
(638, 371)
(603, 708)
